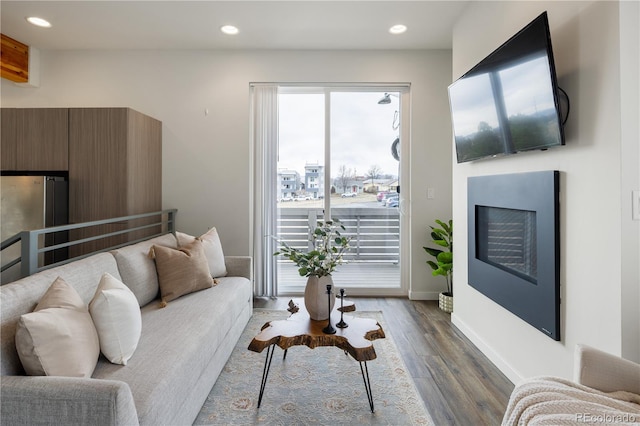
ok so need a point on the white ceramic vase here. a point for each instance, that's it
(315, 297)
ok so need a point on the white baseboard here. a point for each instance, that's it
(423, 295)
(493, 356)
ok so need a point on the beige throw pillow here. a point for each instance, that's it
(212, 249)
(116, 316)
(181, 271)
(58, 338)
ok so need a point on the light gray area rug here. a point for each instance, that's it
(320, 386)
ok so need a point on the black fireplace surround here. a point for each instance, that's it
(514, 244)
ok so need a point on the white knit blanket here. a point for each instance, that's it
(555, 401)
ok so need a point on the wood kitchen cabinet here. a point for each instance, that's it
(8, 142)
(115, 169)
(113, 157)
(35, 139)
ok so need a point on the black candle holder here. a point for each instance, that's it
(342, 324)
(329, 328)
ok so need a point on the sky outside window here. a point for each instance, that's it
(361, 136)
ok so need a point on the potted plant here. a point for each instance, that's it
(443, 264)
(329, 247)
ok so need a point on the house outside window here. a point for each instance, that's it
(314, 179)
(288, 184)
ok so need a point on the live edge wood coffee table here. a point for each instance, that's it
(356, 339)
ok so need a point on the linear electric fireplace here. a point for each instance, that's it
(514, 247)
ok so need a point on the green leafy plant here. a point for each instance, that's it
(443, 265)
(329, 246)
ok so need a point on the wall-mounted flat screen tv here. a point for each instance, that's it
(509, 101)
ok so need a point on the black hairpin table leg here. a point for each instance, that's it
(367, 383)
(265, 372)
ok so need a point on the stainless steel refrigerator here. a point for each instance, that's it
(27, 203)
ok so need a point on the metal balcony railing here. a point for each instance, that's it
(375, 232)
(129, 230)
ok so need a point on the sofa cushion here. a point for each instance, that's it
(58, 338)
(116, 316)
(172, 353)
(138, 271)
(21, 297)
(181, 271)
(212, 249)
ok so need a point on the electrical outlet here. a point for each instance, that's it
(635, 205)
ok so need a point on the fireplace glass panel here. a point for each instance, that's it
(506, 239)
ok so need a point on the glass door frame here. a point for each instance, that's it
(404, 103)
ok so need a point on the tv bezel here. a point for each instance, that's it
(554, 86)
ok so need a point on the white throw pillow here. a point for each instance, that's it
(116, 315)
(212, 250)
(58, 338)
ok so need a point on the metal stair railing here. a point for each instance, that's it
(30, 249)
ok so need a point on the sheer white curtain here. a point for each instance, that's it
(264, 128)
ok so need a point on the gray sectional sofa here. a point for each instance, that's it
(182, 349)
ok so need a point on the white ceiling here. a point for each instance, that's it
(263, 24)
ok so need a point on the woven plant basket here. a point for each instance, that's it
(445, 303)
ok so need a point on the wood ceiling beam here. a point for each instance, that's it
(14, 60)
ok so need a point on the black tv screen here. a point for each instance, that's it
(509, 101)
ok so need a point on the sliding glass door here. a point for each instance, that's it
(339, 156)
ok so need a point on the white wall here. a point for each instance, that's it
(206, 158)
(630, 130)
(586, 42)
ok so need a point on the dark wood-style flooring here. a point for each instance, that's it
(458, 384)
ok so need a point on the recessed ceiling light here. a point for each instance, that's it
(398, 29)
(229, 29)
(38, 22)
